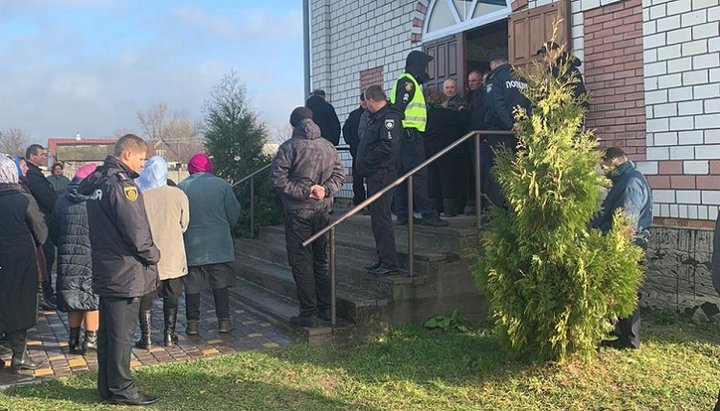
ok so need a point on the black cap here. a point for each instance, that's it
(300, 114)
(548, 45)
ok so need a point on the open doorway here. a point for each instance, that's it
(484, 43)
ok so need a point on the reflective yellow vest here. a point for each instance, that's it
(416, 111)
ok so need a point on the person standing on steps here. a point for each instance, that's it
(22, 228)
(351, 131)
(124, 264)
(377, 162)
(75, 295)
(168, 212)
(324, 116)
(209, 244)
(407, 97)
(307, 173)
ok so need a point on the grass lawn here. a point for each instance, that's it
(414, 369)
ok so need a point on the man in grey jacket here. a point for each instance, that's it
(307, 172)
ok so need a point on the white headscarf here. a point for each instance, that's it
(8, 170)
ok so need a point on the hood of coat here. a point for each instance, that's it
(73, 191)
(154, 174)
(307, 129)
(314, 102)
(111, 167)
(416, 64)
(623, 168)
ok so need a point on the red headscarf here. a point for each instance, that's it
(200, 163)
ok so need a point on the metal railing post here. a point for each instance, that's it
(478, 184)
(252, 207)
(411, 227)
(333, 302)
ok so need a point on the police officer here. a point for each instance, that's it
(124, 265)
(503, 93)
(408, 98)
(377, 161)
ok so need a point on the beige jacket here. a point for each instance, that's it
(168, 211)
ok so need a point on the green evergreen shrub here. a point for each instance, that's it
(555, 286)
(235, 137)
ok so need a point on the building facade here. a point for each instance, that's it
(652, 68)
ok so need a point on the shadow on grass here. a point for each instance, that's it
(186, 386)
(418, 355)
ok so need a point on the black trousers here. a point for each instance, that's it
(412, 153)
(491, 192)
(309, 264)
(358, 185)
(118, 318)
(447, 178)
(49, 251)
(381, 219)
(628, 329)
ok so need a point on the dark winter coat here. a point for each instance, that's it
(124, 256)
(503, 92)
(22, 228)
(351, 130)
(60, 183)
(71, 235)
(303, 161)
(573, 71)
(379, 146)
(476, 109)
(41, 189)
(326, 118)
(444, 126)
(630, 192)
(416, 64)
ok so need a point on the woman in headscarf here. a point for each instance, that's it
(22, 228)
(209, 245)
(74, 264)
(168, 212)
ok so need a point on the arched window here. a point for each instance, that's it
(446, 17)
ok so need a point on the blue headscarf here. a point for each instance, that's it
(154, 174)
(16, 159)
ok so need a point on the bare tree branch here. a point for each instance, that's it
(14, 141)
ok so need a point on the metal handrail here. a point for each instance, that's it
(477, 134)
(252, 175)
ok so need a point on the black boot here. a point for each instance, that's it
(170, 314)
(21, 359)
(43, 303)
(48, 292)
(90, 341)
(74, 343)
(449, 207)
(145, 342)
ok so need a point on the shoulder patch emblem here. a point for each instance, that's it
(389, 124)
(488, 88)
(408, 86)
(131, 193)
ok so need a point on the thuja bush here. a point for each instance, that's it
(554, 284)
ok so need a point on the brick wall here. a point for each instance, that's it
(371, 77)
(682, 67)
(614, 75)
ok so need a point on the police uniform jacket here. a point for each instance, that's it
(124, 256)
(377, 152)
(503, 92)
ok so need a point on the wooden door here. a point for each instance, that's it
(448, 62)
(527, 30)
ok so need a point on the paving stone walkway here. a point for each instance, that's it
(48, 342)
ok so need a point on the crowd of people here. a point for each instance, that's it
(126, 234)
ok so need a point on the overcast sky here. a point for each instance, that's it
(89, 66)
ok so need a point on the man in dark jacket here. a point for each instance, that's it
(324, 116)
(566, 68)
(631, 193)
(124, 264)
(351, 135)
(503, 94)
(407, 98)
(307, 172)
(377, 160)
(45, 196)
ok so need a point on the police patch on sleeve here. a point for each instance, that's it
(389, 124)
(131, 193)
(408, 86)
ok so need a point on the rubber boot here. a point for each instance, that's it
(170, 314)
(74, 343)
(222, 308)
(145, 342)
(21, 359)
(90, 341)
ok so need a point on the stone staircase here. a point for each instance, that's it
(366, 305)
